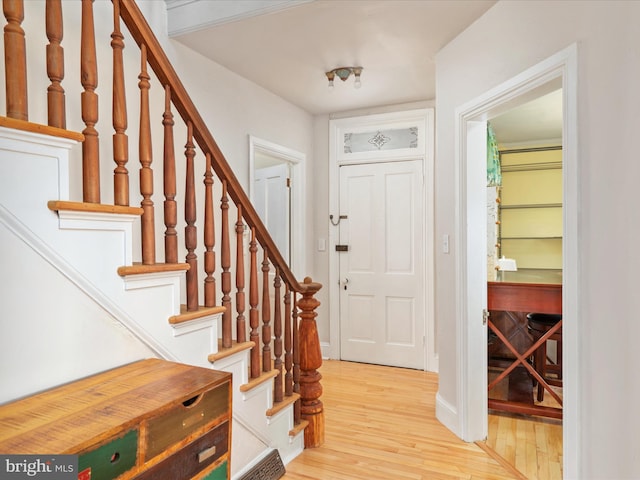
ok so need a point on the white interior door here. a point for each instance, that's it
(382, 273)
(272, 202)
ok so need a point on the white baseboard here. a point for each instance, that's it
(325, 350)
(447, 414)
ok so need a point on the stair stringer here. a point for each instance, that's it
(87, 249)
(94, 245)
(46, 342)
(249, 415)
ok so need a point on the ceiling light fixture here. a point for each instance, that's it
(343, 73)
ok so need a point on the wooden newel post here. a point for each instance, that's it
(312, 409)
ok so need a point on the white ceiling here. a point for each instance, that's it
(536, 121)
(286, 46)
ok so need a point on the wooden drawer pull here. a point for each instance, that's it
(192, 401)
(206, 454)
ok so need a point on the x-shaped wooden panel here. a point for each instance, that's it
(522, 359)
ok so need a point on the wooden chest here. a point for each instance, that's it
(151, 419)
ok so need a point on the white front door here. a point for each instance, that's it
(272, 203)
(382, 272)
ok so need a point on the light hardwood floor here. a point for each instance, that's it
(381, 424)
(532, 445)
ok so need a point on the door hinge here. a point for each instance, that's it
(288, 183)
(485, 316)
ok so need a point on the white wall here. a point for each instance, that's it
(508, 39)
(321, 225)
(52, 332)
(233, 108)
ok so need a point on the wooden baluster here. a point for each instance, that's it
(55, 65)
(266, 315)
(288, 352)
(277, 341)
(209, 237)
(225, 263)
(190, 232)
(15, 60)
(89, 101)
(310, 361)
(241, 326)
(254, 315)
(146, 174)
(297, 415)
(169, 180)
(119, 113)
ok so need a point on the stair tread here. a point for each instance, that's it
(140, 269)
(298, 428)
(186, 316)
(279, 406)
(27, 126)
(227, 352)
(57, 205)
(254, 382)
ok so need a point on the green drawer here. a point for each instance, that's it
(219, 473)
(185, 419)
(111, 459)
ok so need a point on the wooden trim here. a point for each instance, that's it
(26, 126)
(58, 205)
(186, 316)
(530, 149)
(530, 167)
(140, 269)
(530, 205)
(525, 408)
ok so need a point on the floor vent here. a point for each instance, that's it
(269, 468)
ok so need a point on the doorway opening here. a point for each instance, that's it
(276, 185)
(524, 263)
(471, 273)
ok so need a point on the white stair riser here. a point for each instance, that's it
(87, 249)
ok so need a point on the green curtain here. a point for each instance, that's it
(494, 174)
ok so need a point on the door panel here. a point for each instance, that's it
(272, 203)
(381, 274)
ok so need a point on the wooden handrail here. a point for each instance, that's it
(287, 345)
(165, 72)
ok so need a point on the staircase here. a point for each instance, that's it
(169, 266)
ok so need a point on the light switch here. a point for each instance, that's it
(445, 243)
(322, 245)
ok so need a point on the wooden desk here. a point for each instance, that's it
(524, 297)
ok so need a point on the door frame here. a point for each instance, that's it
(423, 118)
(471, 296)
(296, 161)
